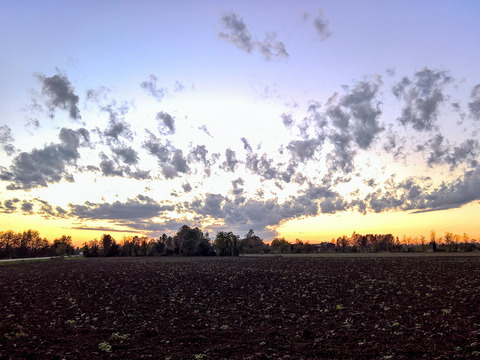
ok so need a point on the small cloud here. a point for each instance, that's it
(60, 93)
(236, 32)
(231, 161)
(6, 140)
(166, 123)
(320, 23)
(474, 106)
(150, 86)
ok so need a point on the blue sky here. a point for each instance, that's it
(301, 119)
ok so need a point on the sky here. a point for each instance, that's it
(305, 119)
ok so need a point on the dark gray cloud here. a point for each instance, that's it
(117, 126)
(41, 167)
(231, 162)
(365, 111)
(199, 153)
(423, 96)
(126, 154)
(237, 189)
(455, 194)
(261, 165)
(474, 106)
(441, 152)
(27, 207)
(179, 162)
(9, 206)
(104, 229)
(170, 159)
(246, 145)
(342, 158)
(244, 213)
(140, 208)
(60, 93)
(354, 123)
(236, 32)
(286, 175)
(45, 209)
(109, 167)
(122, 165)
(187, 187)
(166, 123)
(150, 86)
(304, 150)
(6, 139)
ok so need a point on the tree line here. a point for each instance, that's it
(29, 243)
(191, 241)
(188, 241)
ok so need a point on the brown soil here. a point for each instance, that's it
(241, 308)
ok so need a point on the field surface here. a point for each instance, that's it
(241, 308)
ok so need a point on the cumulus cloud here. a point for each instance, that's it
(166, 123)
(231, 162)
(41, 167)
(126, 154)
(365, 111)
(474, 106)
(354, 123)
(59, 93)
(117, 125)
(236, 32)
(261, 165)
(6, 139)
(151, 87)
(423, 96)
(9, 206)
(170, 159)
(441, 152)
(303, 150)
(455, 194)
(109, 167)
(287, 120)
(247, 213)
(27, 206)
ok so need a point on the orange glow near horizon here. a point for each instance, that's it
(325, 227)
(315, 229)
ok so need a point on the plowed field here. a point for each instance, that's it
(241, 308)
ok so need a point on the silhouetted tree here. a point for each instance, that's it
(281, 245)
(225, 244)
(191, 242)
(251, 244)
(63, 246)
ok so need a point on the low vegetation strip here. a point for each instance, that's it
(241, 308)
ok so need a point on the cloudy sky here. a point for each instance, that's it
(305, 119)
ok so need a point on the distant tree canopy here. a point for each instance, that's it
(190, 241)
(31, 244)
